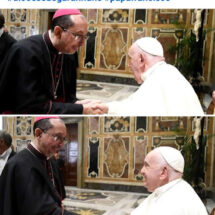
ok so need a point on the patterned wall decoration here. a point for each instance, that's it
(23, 126)
(140, 16)
(172, 141)
(140, 151)
(169, 123)
(93, 170)
(90, 58)
(18, 32)
(116, 157)
(20, 128)
(111, 33)
(117, 29)
(92, 16)
(22, 22)
(94, 125)
(21, 144)
(18, 15)
(116, 124)
(120, 153)
(113, 48)
(115, 16)
(124, 147)
(168, 16)
(168, 38)
(138, 33)
(141, 124)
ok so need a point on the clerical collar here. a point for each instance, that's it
(160, 190)
(147, 73)
(1, 31)
(48, 41)
(35, 152)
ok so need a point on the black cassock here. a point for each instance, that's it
(6, 41)
(26, 83)
(25, 188)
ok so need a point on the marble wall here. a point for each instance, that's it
(111, 33)
(111, 150)
(115, 147)
(22, 23)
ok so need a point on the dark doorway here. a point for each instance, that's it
(69, 153)
(50, 15)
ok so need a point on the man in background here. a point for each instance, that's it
(30, 183)
(162, 171)
(6, 151)
(6, 40)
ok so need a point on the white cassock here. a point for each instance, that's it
(164, 92)
(174, 198)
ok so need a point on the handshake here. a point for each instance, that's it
(93, 106)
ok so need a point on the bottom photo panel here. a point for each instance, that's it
(63, 165)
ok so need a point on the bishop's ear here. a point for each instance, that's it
(38, 132)
(58, 31)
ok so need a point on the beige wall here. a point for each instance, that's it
(113, 31)
(119, 144)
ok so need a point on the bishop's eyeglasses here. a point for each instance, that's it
(55, 136)
(77, 36)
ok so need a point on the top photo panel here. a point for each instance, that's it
(133, 62)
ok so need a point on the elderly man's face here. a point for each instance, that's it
(151, 171)
(74, 36)
(2, 146)
(53, 139)
(135, 63)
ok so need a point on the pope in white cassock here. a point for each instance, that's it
(164, 91)
(171, 195)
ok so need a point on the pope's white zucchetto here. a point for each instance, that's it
(150, 45)
(173, 157)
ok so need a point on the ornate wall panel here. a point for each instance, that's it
(93, 170)
(116, 124)
(116, 29)
(168, 38)
(168, 16)
(92, 16)
(94, 125)
(20, 129)
(140, 151)
(168, 123)
(112, 31)
(113, 48)
(121, 144)
(22, 22)
(116, 155)
(115, 16)
(141, 124)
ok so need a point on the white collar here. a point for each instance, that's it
(1, 31)
(6, 153)
(160, 190)
(147, 73)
